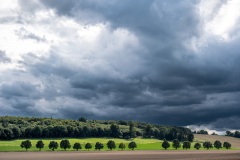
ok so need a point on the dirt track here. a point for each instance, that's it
(123, 155)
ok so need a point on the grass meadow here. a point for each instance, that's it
(142, 144)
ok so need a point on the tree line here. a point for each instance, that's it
(65, 144)
(235, 134)
(31, 127)
(187, 145)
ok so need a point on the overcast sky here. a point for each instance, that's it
(162, 61)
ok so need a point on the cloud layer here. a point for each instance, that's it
(165, 62)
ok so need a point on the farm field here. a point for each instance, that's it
(142, 144)
(126, 155)
(202, 138)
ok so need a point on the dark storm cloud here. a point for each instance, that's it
(160, 80)
(17, 89)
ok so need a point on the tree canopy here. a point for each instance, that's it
(132, 145)
(111, 144)
(122, 146)
(176, 144)
(53, 145)
(26, 144)
(65, 144)
(77, 146)
(39, 145)
(186, 145)
(217, 144)
(165, 144)
(99, 146)
(88, 146)
(207, 145)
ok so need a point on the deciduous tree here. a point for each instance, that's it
(98, 146)
(121, 146)
(186, 145)
(65, 144)
(197, 145)
(88, 146)
(111, 144)
(26, 144)
(40, 144)
(207, 145)
(217, 144)
(132, 145)
(227, 145)
(53, 145)
(176, 144)
(165, 144)
(77, 146)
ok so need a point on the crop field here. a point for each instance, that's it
(142, 144)
(202, 138)
(126, 155)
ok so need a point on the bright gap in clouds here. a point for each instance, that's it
(219, 18)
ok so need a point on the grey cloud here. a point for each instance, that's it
(4, 58)
(160, 80)
(17, 89)
(24, 34)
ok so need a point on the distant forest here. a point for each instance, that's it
(233, 134)
(31, 127)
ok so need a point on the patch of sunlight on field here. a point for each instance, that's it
(142, 144)
(145, 144)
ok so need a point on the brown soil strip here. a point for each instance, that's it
(124, 155)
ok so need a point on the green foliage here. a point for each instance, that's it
(26, 144)
(132, 145)
(40, 145)
(99, 146)
(115, 131)
(202, 132)
(65, 144)
(207, 145)
(122, 146)
(233, 134)
(197, 146)
(227, 145)
(176, 144)
(217, 144)
(53, 145)
(111, 144)
(6, 133)
(148, 130)
(26, 127)
(77, 146)
(132, 132)
(88, 146)
(83, 119)
(186, 145)
(16, 132)
(165, 144)
(190, 137)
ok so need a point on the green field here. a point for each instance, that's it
(142, 144)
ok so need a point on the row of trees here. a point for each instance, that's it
(65, 144)
(187, 145)
(25, 127)
(233, 134)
